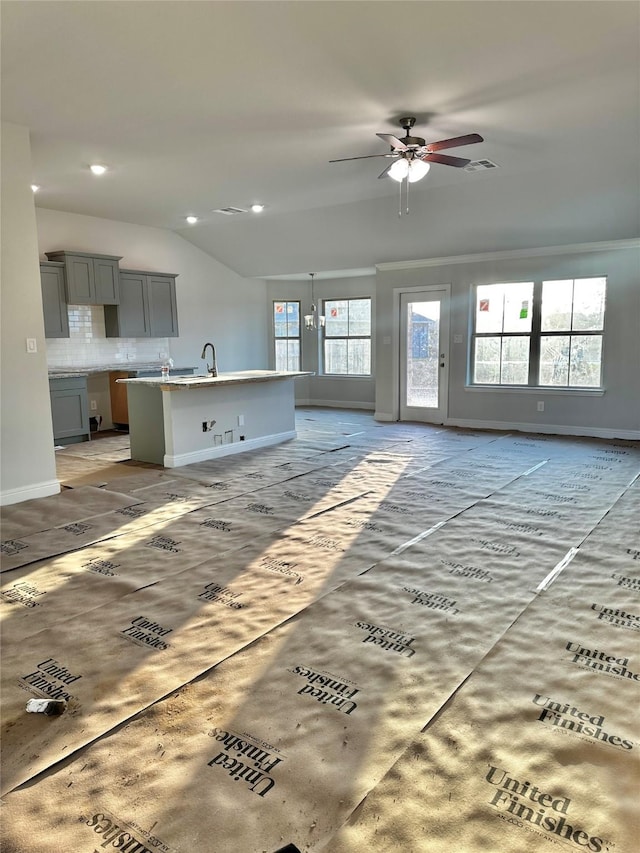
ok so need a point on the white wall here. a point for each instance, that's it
(28, 461)
(338, 391)
(214, 303)
(616, 413)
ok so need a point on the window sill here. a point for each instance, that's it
(537, 389)
(344, 375)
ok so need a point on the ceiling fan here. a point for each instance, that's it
(412, 156)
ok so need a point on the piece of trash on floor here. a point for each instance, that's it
(50, 707)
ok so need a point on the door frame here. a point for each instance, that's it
(396, 341)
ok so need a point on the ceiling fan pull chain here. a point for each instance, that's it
(400, 199)
(407, 195)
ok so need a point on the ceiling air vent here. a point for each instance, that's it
(231, 211)
(478, 165)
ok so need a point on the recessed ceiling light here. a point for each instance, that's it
(97, 169)
(257, 208)
(192, 220)
(35, 188)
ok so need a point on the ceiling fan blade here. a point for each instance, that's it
(446, 160)
(453, 143)
(393, 141)
(386, 171)
(364, 157)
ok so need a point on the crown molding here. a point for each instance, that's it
(573, 248)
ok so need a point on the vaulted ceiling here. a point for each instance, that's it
(196, 106)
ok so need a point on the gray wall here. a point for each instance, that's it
(616, 413)
(337, 391)
(28, 460)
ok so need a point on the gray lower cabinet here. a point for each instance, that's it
(147, 308)
(54, 303)
(90, 279)
(69, 409)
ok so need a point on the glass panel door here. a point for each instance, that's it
(424, 355)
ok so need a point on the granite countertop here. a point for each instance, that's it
(125, 367)
(181, 383)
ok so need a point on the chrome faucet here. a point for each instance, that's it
(213, 370)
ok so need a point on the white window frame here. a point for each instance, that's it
(287, 338)
(535, 335)
(347, 337)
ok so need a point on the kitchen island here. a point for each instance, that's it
(180, 420)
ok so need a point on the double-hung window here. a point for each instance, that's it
(286, 332)
(539, 334)
(347, 337)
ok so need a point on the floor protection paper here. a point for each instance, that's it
(281, 741)
(314, 606)
(69, 506)
(537, 751)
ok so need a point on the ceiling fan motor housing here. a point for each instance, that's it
(413, 141)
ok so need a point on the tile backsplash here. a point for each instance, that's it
(88, 345)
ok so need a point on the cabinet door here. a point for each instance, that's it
(107, 279)
(69, 409)
(81, 284)
(119, 402)
(162, 306)
(56, 318)
(133, 311)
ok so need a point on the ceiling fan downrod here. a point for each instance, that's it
(407, 124)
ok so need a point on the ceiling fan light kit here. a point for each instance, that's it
(411, 169)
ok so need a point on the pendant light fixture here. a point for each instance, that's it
(313, 320)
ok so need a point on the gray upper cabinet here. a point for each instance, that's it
(147, 306)
(130, 319)
(163, 311)
(54, 303)
(90, 279)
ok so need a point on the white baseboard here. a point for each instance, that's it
(384, 416)
(181, 459)
(335, 404)
(29, 493)
(547, 429)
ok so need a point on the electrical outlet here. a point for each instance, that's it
(94, 405)
(540, 405)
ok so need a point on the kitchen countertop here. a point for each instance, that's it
(127, 367)
(181, 383)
